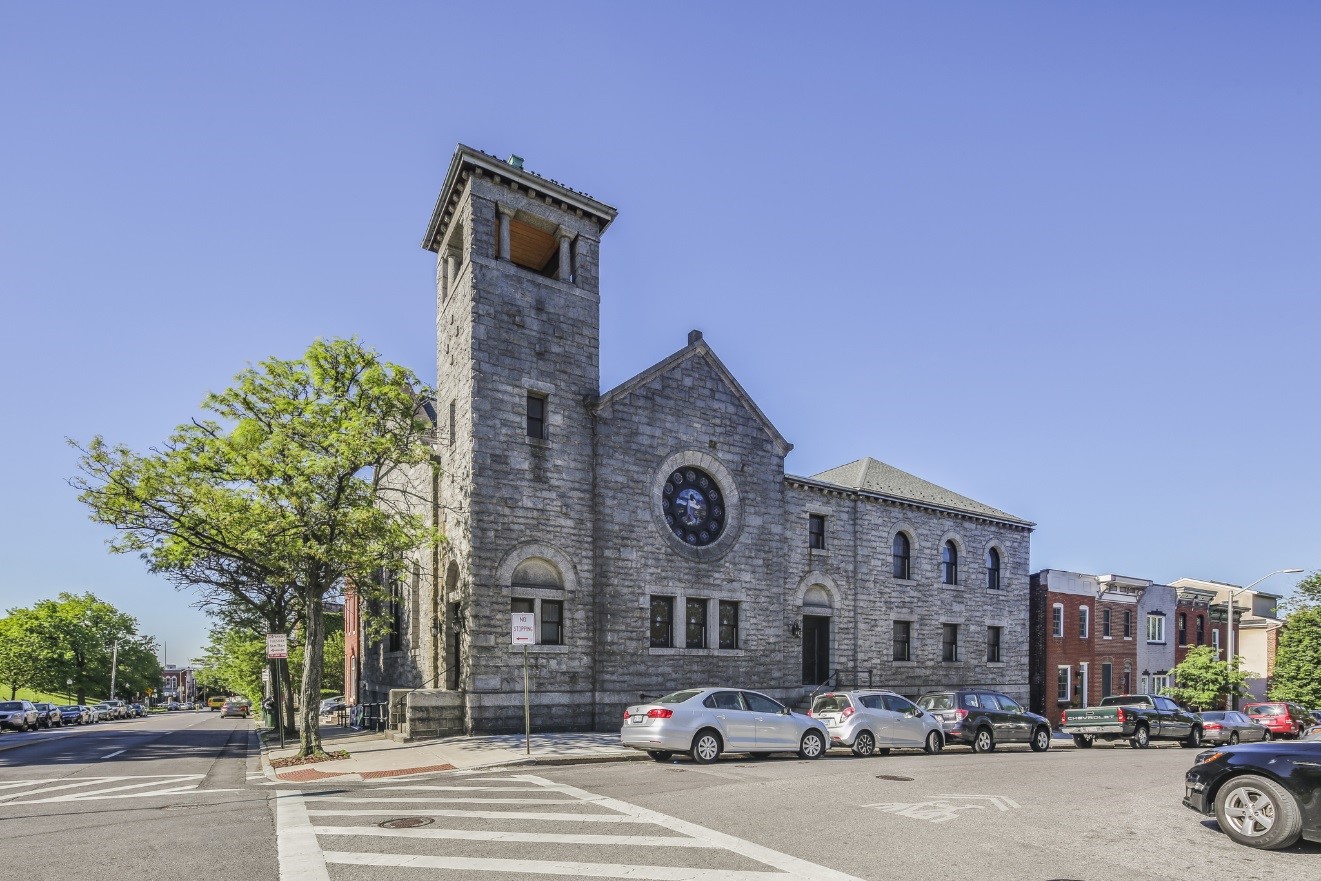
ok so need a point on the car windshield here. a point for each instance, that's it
(936, 702)
(830, 703)
(1265, 710)
(678, 697)
(68, 708)
(11, 705)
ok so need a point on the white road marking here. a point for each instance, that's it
(314, 799)
(173, 784)
(89, 781)
(418, 787)
(548, 867)
(113, 754)
(534, 837)
(300, 856)
(89, 788)
(487, 815)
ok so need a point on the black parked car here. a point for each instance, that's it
(72, 715)
(48, 715)
(982, 719)
(18, 715)
(1263, 795)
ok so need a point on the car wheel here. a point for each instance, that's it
(1233, 738)
(1258, 812)
(706, 747)
(1141, 738)
(983, 741)
(1041, 740)
(660, 755)
(812, 746)
(1265, 736)
(1193, 740)
(1084, 741)
(864, 744)
(934, 743)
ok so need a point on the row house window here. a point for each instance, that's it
(1105, 623)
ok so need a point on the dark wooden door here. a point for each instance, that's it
(816, 649)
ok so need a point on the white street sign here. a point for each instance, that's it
(277, 645)
(523, 628)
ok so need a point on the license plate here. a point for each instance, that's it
(1089, 729)
(637, 719)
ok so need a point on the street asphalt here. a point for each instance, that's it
(181, 796)
(165, 797)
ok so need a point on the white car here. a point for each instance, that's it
(704, 722)
(870, 722)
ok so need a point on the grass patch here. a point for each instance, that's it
(310, 760)
(62, 698)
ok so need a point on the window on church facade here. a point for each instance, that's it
(728, 624)
(816, 532)
(396, 615)
(662, 622)
(452, 424)
(993, 569)
(949, 642)
(949, 563)
(695, 624)
(552, 622)
(901, 549)
(903, 640)
(536, 416)
(993, 644)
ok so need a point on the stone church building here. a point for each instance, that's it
(651, 528)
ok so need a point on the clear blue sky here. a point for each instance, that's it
(1062, 258)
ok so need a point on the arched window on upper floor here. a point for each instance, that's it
(901, 549)
(992, 569)
(949, 563)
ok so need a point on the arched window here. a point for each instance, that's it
(993, 569)
(901, 548)
(949, 563)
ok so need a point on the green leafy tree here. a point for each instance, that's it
(1297, 675)
(1202, 682)
(232, 662)
(21, 653)
(288, 485)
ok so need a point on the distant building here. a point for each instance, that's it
(178, 684)
(1258, 625)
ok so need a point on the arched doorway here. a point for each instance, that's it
(817, 612)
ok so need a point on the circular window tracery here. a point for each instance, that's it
(693, 506)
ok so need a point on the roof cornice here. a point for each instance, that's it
(850, 491)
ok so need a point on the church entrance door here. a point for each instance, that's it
(816, 649)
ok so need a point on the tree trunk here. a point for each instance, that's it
(314, 622)
(286, 708)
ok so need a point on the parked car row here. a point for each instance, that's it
(705, 722)
(22, 715)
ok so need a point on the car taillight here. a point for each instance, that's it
(848, 711)
(1211, 726)
(1119, 715)
(809, 715)
(960, 714)
(1064, 717)
(660, 713)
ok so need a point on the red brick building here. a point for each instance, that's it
(1199, 620)
(1083, 635)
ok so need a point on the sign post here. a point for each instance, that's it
(277, 649)
(523, 631)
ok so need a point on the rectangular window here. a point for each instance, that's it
(1201, 630)
(993, 645)
(1128, 624)
(396, 614)
(903, 640)
(1215, 641)
(1063, 683)
(1159, 684)
(1084, 622)
(1146, 685)
(816, 532)
(536, 416)
(1057, 620)
(1155, 628)
(1107, 680)
(453, 429)
(1183, 628)
(949, 642)
(662, 622)
(728, 624)
(1105, 623)
(552, 622)
(695, 624)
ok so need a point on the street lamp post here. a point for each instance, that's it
(68, 689)
(1231, 626)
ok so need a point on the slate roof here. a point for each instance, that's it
(870, 475)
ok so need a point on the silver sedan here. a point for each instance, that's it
(1231, 726)
(704, 722)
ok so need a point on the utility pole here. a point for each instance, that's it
(114, 665)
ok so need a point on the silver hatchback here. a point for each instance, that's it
(870, 722)
(704, 722)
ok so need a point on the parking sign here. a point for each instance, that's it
(523, 628)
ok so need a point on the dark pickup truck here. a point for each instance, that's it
(1137, 718)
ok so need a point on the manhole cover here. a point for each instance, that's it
(894, 777)
(406, 823)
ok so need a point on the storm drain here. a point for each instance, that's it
(406, 823)
(898, 777)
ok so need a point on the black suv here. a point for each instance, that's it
(982, 719)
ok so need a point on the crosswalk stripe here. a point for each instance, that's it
(488, 815)
(87, 781)
(443, 799)
(299, 853)
(419, 787)
(547, 867)
(525, 837)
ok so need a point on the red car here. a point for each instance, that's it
(1281, 717)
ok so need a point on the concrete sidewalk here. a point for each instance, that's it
(373, 756)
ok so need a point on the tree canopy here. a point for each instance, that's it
(1297, 675)
(285, 489)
